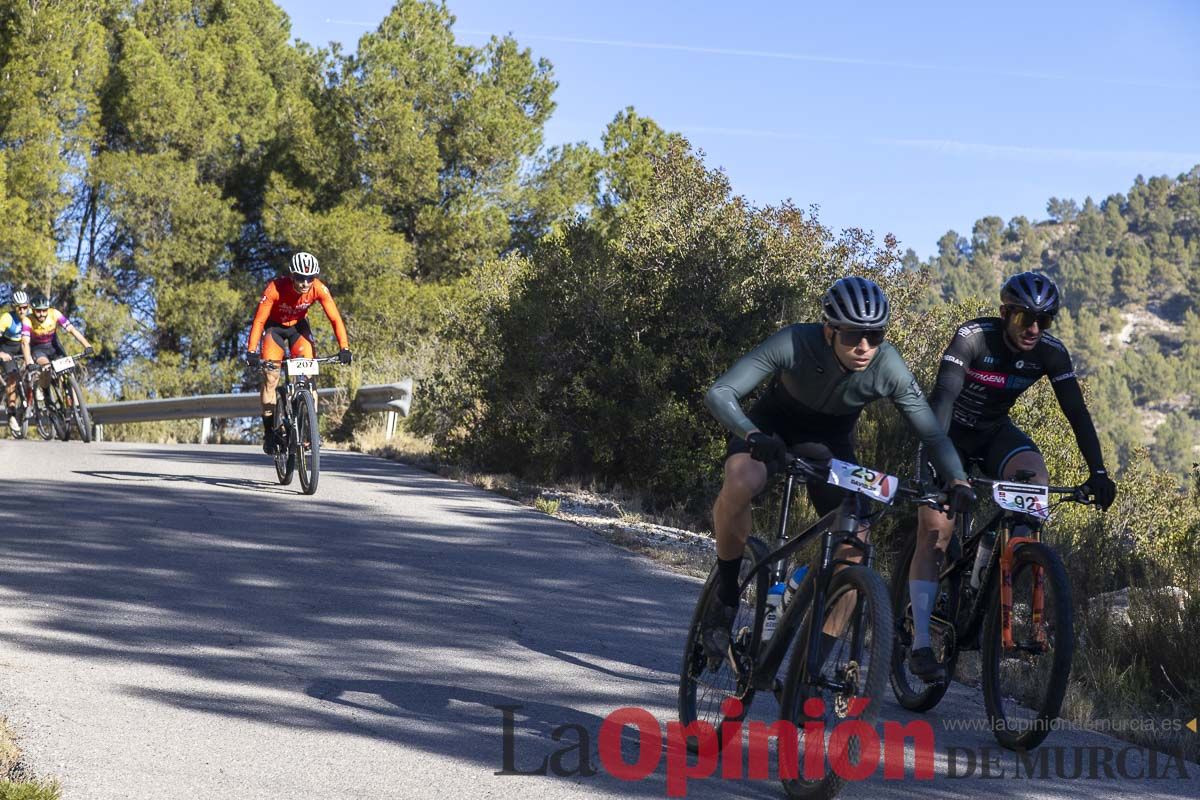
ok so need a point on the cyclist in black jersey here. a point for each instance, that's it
(822, 375)
(988, 364)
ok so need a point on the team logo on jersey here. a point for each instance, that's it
(952, 360)
(1063, 377)
(1028, 365)
(996, 379)
(989, 360)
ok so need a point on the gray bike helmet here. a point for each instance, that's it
(41, 303)
(856, 303)
(20, 298)
(1031, 290)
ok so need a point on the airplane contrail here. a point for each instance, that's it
(821, 59)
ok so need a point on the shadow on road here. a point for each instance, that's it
(394, 605)
(405, 619)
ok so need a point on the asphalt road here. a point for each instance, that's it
(174, 624)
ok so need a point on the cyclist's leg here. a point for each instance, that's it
(11, 370)
(10, 378)
(41, 356)
(272, 351)
(304, 345)
(934, 531)
(744, 479)
(273, 343)
(1012, 451)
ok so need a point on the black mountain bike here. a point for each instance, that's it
(64, 407)
(850, 675)
(16, 367)
(296, 423)
(1020, 616)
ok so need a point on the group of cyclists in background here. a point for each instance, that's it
(29, 339)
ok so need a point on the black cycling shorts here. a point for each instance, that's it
(10, 347)
(776, 412)
(988, 448)
(51, 350)
(286, 336)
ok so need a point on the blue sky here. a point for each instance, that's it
(911, 118)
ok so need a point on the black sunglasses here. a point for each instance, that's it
(851, 338)
(1025, 317)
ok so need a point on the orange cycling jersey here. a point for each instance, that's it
(282, 305)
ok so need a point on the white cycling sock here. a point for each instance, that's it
(922, 594)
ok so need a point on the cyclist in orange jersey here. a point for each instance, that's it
(281, 326)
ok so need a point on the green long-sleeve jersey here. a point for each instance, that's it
(810, 372)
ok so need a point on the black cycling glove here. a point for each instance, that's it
(253, 359)
(961, 499)
(344, 355)
(1102, 488)
(769, 448)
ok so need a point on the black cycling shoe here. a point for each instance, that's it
(925, 666)
(715, 627)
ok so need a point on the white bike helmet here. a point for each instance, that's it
(305, 264)
(20, 298)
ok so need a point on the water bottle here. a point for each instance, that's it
(774, 607)
(986, 542)
(794, 583)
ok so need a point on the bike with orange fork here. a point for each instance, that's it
(1019, 616)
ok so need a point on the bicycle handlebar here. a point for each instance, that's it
(1078, 494)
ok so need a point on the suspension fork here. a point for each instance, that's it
(1008, 549)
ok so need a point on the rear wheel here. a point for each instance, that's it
(308, 442)
(848, 685)
(1023, 687)
(704, 685)
(912, 692)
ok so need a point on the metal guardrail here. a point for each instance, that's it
(393, 398)
(210, 406)
(396, 397)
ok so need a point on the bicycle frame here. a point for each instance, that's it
(839, 527)
(1002, 557)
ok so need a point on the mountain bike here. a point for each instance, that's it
(847, 675)
(62, 406)
(24, 398)
(1020, 616)
(296, 422)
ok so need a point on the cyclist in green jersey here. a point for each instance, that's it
(822, 376)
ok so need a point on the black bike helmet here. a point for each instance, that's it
(41, 302)
(1031, 290)
(856, 303)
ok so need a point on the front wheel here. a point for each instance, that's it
(308, 442)
(852, 676)
(58, 412)
(1023, 687)
(43, 418)
(78, 410)
(703, 685)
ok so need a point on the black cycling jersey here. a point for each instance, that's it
(982, 375)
